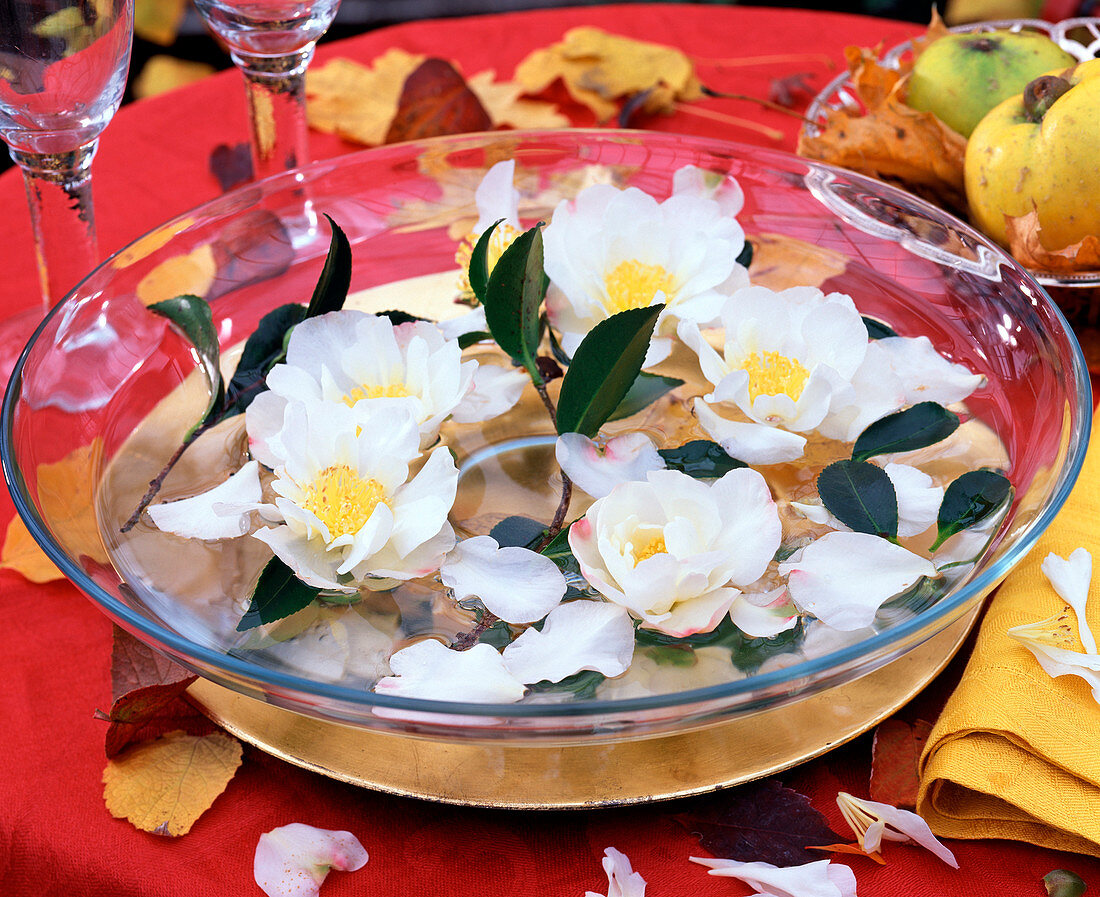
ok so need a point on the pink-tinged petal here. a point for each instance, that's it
(695, 615)
(597, 471)
(820, 879)
(874, 822)
(843, 578)
(927, 375)
(764, 615)
(493, 391)
(578, 635)
(1072, 578)
(293, 860)
(750, 442)
(431, 671)
(622, 880)
(516, 584)
(1052, 646)
(219, 513)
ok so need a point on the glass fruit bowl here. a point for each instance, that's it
(106, 390)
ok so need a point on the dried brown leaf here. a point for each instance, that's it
(164, 786)
(355, 101)
(436, 101)
(895, 754)
(1027, 248)
(231, 165)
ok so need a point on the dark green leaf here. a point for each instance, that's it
(582, 686)
(517, 531)
(335, 280)
(397, 317)
(876, 329)
(265, 348)
(744, 258)
(559, 552)
(604, 367)
(921, 425)
(700, 458)
(278, 593)
(968, 500)
(925, 592)
(499, 635)
(1063, 883)
(860, 495)
(479, 262)
(513, 296)
(557, 351)
(644, 391)
(747, 653)
(468, 339)
(192, 315)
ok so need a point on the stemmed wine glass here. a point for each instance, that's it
(63, 66)
(272, 42)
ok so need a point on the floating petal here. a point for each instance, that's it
(432, 671)
(578, 635)
(219, 513)
(597, 471)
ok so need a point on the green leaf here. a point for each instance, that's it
(860, 495)
(1063, 883)
(265, 348)
(876, 329)
(335, 280)
(604, 367)
(559, 552)
(192, 315)
(468, 339)
(517, 531)
(700, 458)
(278, 593)
(747, 652)
(968, 500)
(582, 686)
(513, 296)
(397, 317)
(921, 425)
(644, 391)
(479, 262)
(744, 258)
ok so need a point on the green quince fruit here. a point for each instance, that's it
(1040, 151)
(961, 76)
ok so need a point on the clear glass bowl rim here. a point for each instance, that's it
(233, 669)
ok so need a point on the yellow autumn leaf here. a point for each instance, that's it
(599, 68)
(22, 555)
(158, 21)
(164, 73)
(149, 244)
(163, 786)
(192, 273)
(503, 101)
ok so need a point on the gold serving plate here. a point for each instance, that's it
(537, 775)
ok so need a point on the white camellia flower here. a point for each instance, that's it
(516, 584)
(798, 361)
(358, 359)
(432, 671)
(493, 391)
(724, 189)
(843, 578)
(346, 509)
(219, 513)
(672, 550)
(578, 635)
(820, 879)
(294, 860)
(497, 200)
(875, 822)
(598, 470)
(610, 250)
(622, 880)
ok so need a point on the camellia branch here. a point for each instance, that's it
(156, 482)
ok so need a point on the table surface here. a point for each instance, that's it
(57, 838)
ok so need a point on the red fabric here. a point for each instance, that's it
(56, 837)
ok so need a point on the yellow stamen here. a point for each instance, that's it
(501, 239)
(656, 545)
(371, 391)
(342, 500)
(771, 374)
(634, 284)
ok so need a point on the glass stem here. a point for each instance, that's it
(276, 87)
(59, 192)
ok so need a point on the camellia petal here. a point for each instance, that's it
(431, 671)
(472, 321)
(496, 197)
(622, 880)
(516, 584)
(820, 879)
(1051, 643)
(749, 442)
(293, 860)
(873, 822)
(578, 635)
(219, 513)
(823, 576)
(598, 470)
(1072, 578)
(927, 375)
(493, 391)
(765, 615)
(918, 498)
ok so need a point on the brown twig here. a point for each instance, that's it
(771, 133)
(158, 480)
(767, 104)
(468, 639)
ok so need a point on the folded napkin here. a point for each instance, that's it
(1016, 754)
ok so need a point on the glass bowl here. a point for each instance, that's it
(105, 390)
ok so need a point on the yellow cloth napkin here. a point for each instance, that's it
(1015, 753)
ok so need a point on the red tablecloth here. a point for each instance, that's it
(56, 837)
